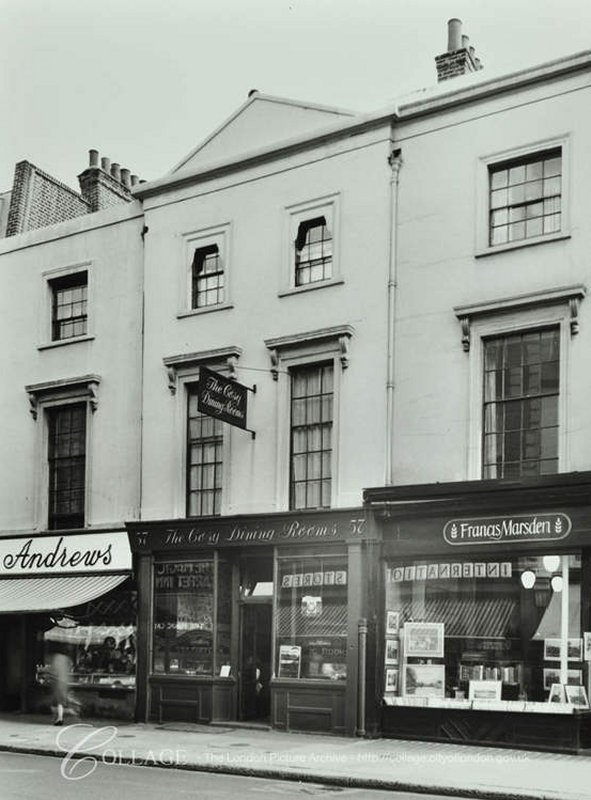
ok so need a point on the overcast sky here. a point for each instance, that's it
(143, 81)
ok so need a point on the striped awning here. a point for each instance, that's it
(52, 594)
(488, 618)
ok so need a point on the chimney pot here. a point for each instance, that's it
(134, 180)
(106, 164)
(454, 34)
(125, 178)
(116, 171)
(93, 158)
(465, 42)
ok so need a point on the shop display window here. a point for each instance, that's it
(311, 633)
(485, 633)
(189, 628)
(99, 638)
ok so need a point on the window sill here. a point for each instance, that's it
(196, 312)
(63, 342)
(502, 248)
(311, 286)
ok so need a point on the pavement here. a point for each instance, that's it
(422, 767)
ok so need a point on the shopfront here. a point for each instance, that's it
(253, 619)
(73, 594)
(486, 634)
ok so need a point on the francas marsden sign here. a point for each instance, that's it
(507, 530)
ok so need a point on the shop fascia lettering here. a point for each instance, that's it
(243, 533)
(53, 554)
(518, 528)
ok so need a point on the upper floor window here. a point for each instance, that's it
(205, 442)
(207, 277)
(69, 310)
(311, 436)
(520, 404)
(313, 251)
(525, 197)
(67, 465)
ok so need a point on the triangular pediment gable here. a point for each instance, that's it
(261, 121)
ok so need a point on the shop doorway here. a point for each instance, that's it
(256, 621)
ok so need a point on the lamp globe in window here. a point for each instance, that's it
(551, 563)
(528, 578)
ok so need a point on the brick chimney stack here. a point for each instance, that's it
(105, 185)
(460, 58)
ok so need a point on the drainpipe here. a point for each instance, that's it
(395, 162)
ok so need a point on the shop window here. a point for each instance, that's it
(520, 404)
(205, 442)
(191, 633)
(67, 465)
(99, 638)
(311, 632)
(492, 630)
(311, 436)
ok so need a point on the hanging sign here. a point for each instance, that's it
(507, 530)
(219, 397)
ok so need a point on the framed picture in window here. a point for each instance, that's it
(392, 622)
(392, 651)
(577, 696)
(587, 646)
(552, 649)
(391, 680)
(290, 661)
(557, 694)
(423, 639)
(424, 680)
(574, 677)
(485, 690)
(575, 650)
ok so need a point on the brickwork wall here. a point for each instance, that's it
(458, 62)
(101, 190)
(39, 200)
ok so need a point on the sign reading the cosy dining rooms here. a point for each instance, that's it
(516, 529)
(52, 555)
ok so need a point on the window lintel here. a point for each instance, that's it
(339, 335)
(186, 362)
(85, 386)
(571, 295)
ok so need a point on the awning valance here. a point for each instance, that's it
(52, 594)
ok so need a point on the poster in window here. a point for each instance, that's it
(391, 680)
(577, 696)
(290, 661)
(423, 639)
(485, 690)
(587, 646)
(557, 694)
(392, 651)
(392, 622)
